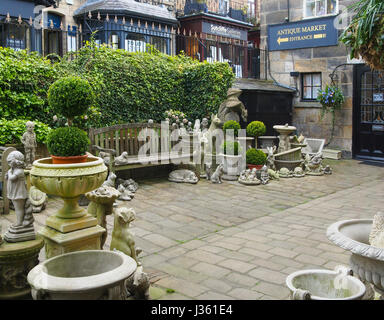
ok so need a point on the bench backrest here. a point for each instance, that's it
(124, 137)
(4, 152)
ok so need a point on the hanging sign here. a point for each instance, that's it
(224, 31)
(319, 32)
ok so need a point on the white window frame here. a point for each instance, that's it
(324, 15)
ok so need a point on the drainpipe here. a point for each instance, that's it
(288, 9)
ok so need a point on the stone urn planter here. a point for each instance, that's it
(82, 275)
(267, 141)
(68, 181)
(284, 141)
(366, 261)
(231, 166)
(324, 285)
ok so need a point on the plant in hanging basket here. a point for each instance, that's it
(365, 34)
(69, 97)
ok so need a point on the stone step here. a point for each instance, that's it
(332, 154)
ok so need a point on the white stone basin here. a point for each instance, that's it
(284, 129)
(81, 275)
(366, 261)
(324, 285)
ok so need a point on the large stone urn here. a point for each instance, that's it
(366, 261)
(70, 228)
(83, 275)
(324, 285)
(232, 165)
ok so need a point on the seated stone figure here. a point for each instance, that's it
(216, 177)
(183, 175)
(122, 159)
(249, 177)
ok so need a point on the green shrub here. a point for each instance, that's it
(231, 148)
(255, 156)
(232, 124)
(24, 82)
(256, 129)
(70, 96)
(67, 141)
(11, 131)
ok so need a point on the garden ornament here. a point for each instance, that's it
(122, 159)
(312, 164)
(208, 171)
(271, 158)
(111, 181)
(273, 174)
(138, 284)
(125, 194)
(183, 175)
(217, 175)
(264, 176)
(298, 172)
(23, 229)
(232, 108)
(129, 184)
(327, 169)
(38, 199)
(196, 127)
(204, 125)
(376, 236)
(106, 157)
(249, 177)
(29, 141)
(285, 173)
(122, 237)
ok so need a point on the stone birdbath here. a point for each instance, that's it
(324, 285)
(101, 205)
(366, 261)
(82, 275)
(284, 139)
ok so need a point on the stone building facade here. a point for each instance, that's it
(299, 67)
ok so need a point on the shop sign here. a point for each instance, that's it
(312, 33)
(224, 31)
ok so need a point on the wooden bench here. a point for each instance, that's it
(4, 201)
(120, 138)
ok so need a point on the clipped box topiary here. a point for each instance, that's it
(232, 124)
(256, 129)
(231, 148)
(255, 158)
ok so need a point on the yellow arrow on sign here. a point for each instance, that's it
(279, 40)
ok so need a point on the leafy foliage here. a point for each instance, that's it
(11, 131)
(24, 82)
(231, 148)
(331, 99)
(256, 129)
(175, 116)
(232, 124)
(255, 156)
(70, 96)
(67, 141)
(365, 34)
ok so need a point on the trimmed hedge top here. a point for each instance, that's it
(255, 156)
(67, 141)
(231, 148)
(232, 124)
(256, 129)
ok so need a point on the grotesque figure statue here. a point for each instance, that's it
(122, 237)
(111, 181)
(17, 192)
(125, 194)
(183, 175)
(138, 285)
(38, 199)
(217, 175)
(122, 159)
(106, 157)
(232, 108)
(29, 141)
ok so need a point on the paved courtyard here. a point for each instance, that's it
(230, 241)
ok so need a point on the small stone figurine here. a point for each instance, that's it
(29, 141)
(264, 176)
(217, 175)
(17, 192)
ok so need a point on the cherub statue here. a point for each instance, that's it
(122, 159)
(29, 141)
(17, 192)
(217, 175)
(264, 176)
(204, 125)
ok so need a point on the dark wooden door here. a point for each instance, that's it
(368, 113)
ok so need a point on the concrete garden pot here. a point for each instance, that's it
(82, 275)
(68, 181)
(231, 166)
(249, 141)
(367, 261)
(324, 285)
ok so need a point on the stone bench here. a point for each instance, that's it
(4, 201)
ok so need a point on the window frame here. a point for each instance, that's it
(324, 15)
(311, 86)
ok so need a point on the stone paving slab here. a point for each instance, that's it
(231, 241)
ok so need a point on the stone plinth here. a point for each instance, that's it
(16, 260)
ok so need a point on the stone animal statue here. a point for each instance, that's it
(208, 170)
(273, 174)
(217, 175)
(376, 237)
(271, 158)
(125, 194)
(122, 159)
(232, 108)
(111, 181)
(183, 175)
(106, 157)
(129, 184)
(122, 237)
(138, 284)
(312, 164)
(264, 176)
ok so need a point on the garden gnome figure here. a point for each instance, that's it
(29, 141)
(17, 192)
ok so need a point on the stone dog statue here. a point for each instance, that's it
(138, 285)
(122, 237)
(216, 176)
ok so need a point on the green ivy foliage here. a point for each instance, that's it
(67, 141)
(70, 96)
(24, 82)
(255, 156)
(11, 131)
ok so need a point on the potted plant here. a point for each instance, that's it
(331, 99)
(256, 129)
(232, 125)
(255, 158)
(231, 159)
(69, 97)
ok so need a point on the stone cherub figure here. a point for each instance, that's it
(122, 237)
(29, 141)
(17, 192)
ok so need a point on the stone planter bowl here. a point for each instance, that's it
(82, 275)
(68, 181)
(323, 285)
(366, 261)
(289, 164)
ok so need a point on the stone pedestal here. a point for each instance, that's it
(69, 235)
(16, 260)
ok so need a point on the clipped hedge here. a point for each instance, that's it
(67, 141)
(24, 82)
(11, 131)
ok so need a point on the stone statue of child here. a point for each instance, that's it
(29, 141)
